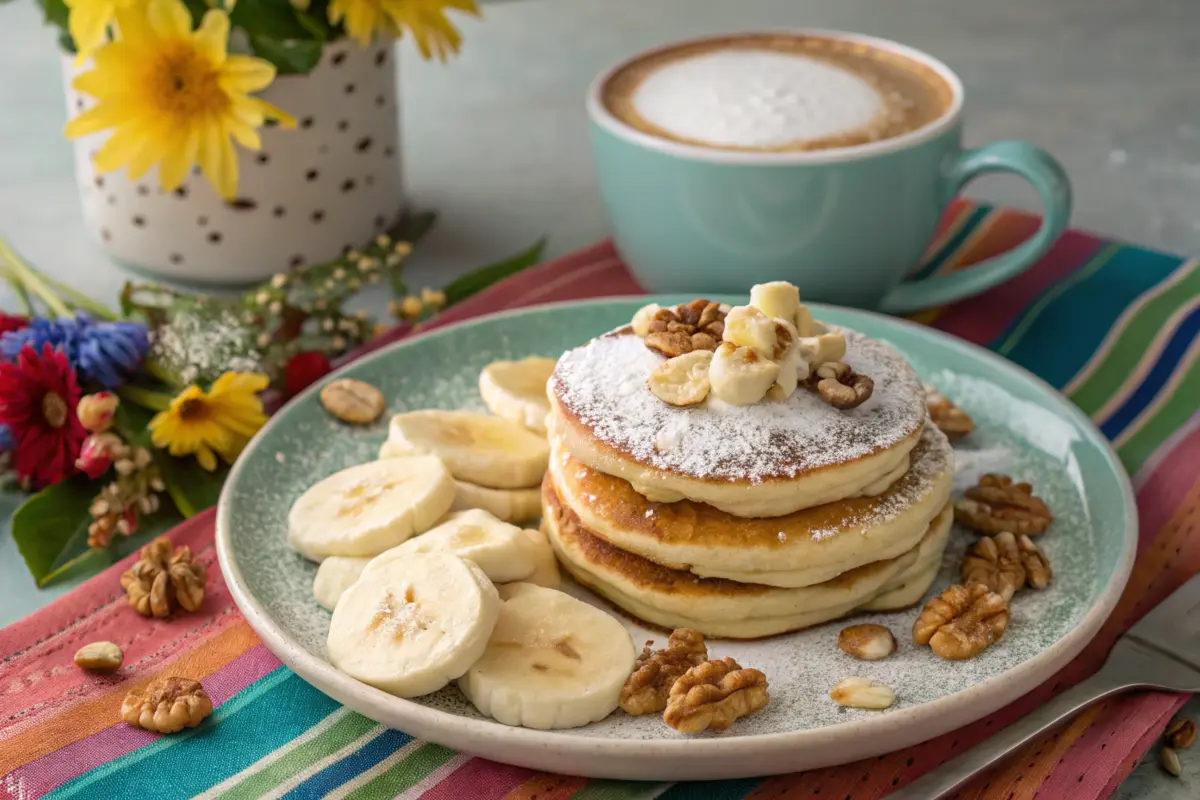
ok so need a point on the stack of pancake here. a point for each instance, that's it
(743, 521)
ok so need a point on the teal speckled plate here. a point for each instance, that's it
(1025, 429)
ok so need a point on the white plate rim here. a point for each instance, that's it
(687, 758)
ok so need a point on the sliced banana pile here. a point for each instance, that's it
(516, 390)
(501, 550)
(552, 662)
(364, 510)
(416, 626)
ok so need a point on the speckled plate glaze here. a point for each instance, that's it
(1026, 429)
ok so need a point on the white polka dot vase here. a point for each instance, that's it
(331, 183)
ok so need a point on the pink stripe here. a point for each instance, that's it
(1088, 765)
(1164, 490)
(479, 779)
(54, 769)
(983, 318)
(1127, 764)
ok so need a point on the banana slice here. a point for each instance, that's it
(516, 390)
(335, 575)
(741, 376)
(510, 505)
(477, 448)
(552, 662)
(545, 569)
(412, 629)
(501, 550)
(776, 299)
(746, 326)
(682, 380)
(643, 318)
(364, 510)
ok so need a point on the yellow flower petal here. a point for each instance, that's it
(239, 383)
(243, 74)
(212, 36)
(206, 458)
(94, 119)
(169, 19)
(176, 163)
(88, 25)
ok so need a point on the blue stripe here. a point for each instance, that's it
(351, 766)
(1069, 329)
(237, 735)
(951, 245)
(1158, 376)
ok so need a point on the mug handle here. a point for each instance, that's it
(1034, 165)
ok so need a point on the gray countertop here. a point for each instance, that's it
(495, 140)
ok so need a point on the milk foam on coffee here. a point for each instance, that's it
(776, 92)
(756, 98)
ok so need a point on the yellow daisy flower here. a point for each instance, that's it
(217, 422)
(174, 97)
(424, 19)
(88, 22)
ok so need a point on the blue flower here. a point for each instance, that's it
(106, 353)
(8, 442)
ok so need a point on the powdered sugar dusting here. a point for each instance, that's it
(604, 384)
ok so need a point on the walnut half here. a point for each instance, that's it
(162, 578)
(646, 690)
(713, 695)
(949, 418)
(962, 621)
(167, 705)
(997, 504)
(840, 386)
(995, 562)
(697, 325)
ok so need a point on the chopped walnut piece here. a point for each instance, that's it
(164, 577)
(949, 418)
(998, 504)
(962, 621)
(1037, 567)
(995, 562)
(646, 690)
(697, 325)
(840, 386)
(1181, 734)
(867, 642)
(167, 705)
(713, 695)
(862, 693)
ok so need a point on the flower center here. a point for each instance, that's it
(185, 84)
(192, 409)
(54, 409)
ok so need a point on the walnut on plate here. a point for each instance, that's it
(713, 695)
(1037, 567)
(698, 325)
(995, 562)
(647, 688)
(999, 504)
(164, 577)
(949, 418)
(167, 705)
(962, 621)
(840, 386)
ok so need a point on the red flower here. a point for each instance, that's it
(11, 322)
(303, 369)
(38, 396)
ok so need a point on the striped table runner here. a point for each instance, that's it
(1113, 326)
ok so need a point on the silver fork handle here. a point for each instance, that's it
(956, 772)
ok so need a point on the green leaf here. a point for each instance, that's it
(413, 226)
(50, 528)
(290, 56)
(55, 12)
(474, 282)
(191, 487)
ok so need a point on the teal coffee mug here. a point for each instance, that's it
(818, 157)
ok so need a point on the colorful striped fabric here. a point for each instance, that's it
(1114, 327)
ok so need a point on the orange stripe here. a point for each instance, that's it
(1021, 775)
(547, 787)
(95, 714)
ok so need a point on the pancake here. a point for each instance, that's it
(763, 460)
(721, 608)
(800, 549)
